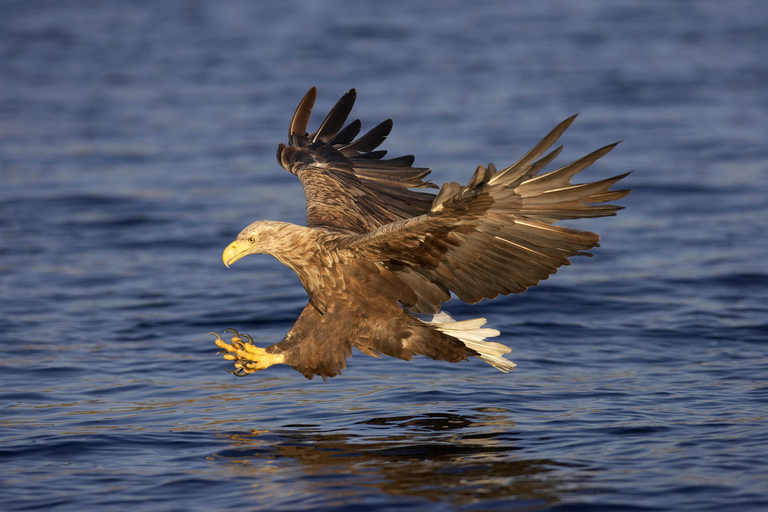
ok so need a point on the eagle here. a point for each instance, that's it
(379, 254)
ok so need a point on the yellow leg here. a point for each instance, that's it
(248, 357)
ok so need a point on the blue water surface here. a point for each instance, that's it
(138, 138)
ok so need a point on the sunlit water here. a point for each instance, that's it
(138, 138)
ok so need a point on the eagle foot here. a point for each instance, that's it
(248, 357)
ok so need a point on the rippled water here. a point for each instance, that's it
(137, 138)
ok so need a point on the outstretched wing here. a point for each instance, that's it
(495, 235)
(347, 184)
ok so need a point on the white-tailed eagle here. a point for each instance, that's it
(378, 250)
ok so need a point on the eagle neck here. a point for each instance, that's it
(310, 253)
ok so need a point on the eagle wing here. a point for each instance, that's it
(496, 234)
(347, 184)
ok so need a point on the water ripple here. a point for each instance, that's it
(131, 153)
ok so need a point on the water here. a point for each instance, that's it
(137, 139)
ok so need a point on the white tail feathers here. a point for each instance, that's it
(473, 334)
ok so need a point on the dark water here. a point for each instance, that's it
(138, 138)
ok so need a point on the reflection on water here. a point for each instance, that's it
(436, 456)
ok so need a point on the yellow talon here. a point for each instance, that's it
(248, 357)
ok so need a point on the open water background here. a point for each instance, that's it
(138, 138)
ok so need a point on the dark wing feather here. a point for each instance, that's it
(348, 186)
(495, 235)
(335, 119)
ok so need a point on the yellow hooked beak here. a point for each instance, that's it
(233, 253)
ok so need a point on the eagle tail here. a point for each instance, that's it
(473, 334)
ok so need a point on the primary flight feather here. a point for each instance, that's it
(378, 250)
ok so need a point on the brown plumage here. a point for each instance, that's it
(377, 249)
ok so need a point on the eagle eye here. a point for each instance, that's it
(251, 239)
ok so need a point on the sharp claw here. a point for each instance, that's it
(243, 367)
(236, 373)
